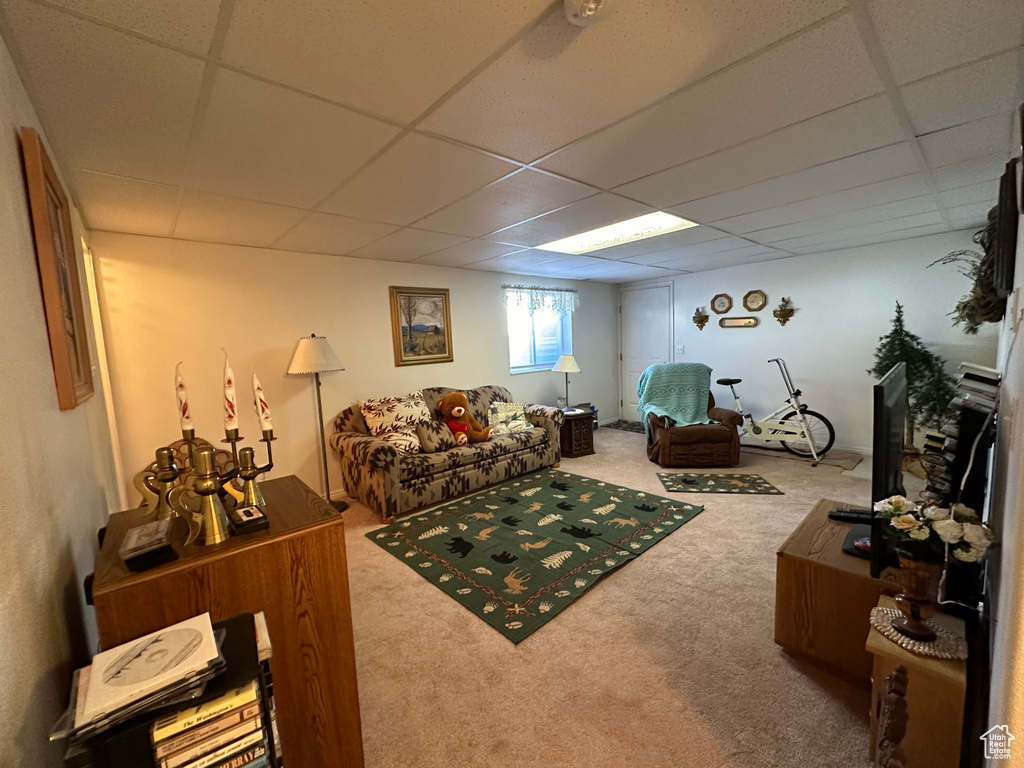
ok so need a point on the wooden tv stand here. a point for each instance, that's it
(823, 596)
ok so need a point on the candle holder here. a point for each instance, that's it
(207, 482)
(248, 471)
(161, 481)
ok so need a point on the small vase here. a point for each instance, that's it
(914, 602)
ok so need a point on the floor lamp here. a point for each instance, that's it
(314, 355)
(566, 364)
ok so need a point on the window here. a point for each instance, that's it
(538, 334)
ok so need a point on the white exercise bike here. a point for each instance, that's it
(800, 431)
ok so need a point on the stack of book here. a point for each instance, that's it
(165, 667)
(225, 732)
(977, 387)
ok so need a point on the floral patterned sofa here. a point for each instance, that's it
(395, 483)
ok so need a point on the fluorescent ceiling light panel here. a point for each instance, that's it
(640, 228)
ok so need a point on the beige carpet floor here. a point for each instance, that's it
(668, 662)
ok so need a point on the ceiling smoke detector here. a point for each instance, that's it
(581, 12)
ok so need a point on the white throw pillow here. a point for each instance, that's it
(394, 419)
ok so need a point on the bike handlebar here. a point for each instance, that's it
(784, 370)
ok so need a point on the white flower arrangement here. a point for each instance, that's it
(911, 529)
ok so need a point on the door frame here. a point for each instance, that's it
(669, 283)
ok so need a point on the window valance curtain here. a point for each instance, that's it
(561, 301)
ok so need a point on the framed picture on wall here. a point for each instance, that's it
(58, 274)
(421, 325)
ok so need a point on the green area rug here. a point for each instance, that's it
(626, 426)
(683, 482)
(517, 555)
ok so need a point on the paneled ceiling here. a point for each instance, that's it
(463, 133)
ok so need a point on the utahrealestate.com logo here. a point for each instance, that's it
(997, 743)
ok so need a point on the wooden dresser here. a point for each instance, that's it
(296, 573)
(577, 436)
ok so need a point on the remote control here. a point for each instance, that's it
(851, 515)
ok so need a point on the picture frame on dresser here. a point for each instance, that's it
(58, 274)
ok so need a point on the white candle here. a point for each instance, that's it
(184, 412)
(262, 409)
(230, 406)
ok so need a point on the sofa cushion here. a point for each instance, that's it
(435, 436)
(467, 456)
(507, 417)
(394, 419)
(480, 400)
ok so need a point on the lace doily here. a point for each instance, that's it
(946, 645)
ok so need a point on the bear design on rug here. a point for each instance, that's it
(455, 407)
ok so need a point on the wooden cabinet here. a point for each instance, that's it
(296, 573)
(577, 436)
(823, 596)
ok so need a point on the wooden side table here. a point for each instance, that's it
(296, 573)
(935, 697)
(577, 436)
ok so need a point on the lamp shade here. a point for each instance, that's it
(566, 364)
(313, 355)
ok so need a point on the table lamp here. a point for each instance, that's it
(566, 364)
(314, 355)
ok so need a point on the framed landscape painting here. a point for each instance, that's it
(58, 274)
(421, 325)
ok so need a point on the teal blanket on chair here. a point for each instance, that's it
(677, 391)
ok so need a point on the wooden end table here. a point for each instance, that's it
(577, 436)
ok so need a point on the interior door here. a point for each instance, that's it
(646, 338)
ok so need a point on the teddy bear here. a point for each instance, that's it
(455, 407)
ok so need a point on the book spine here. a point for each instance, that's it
(210, 744)
(251, 758)
(230, 750)
(189, 718)
(190, 737)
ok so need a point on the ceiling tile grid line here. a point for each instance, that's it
(227, 7)
(869, 35)
(690, 86)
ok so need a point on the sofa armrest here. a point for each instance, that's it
(366, 450)
(547, 417)
(725, 416)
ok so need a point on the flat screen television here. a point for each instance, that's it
(890, 420)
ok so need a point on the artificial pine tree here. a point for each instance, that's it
(929, 387)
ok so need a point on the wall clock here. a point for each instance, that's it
(755, 301)
(722, 303)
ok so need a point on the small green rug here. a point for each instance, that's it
(683, 482)
(626, 426)
(519, 554)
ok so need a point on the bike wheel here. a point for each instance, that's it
(821, 432)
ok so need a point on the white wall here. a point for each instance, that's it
(165, 301)
(1007, 508)
(844, 302)
(55, 491)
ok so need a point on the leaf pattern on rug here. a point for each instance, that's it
(691, 482)
(550, 570)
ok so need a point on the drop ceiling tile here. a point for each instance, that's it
(846, 220)
(186, 23)
(893, 237)
(965, 174)
(406, 245)
(414, 178)
(467, 253)
(986, 193)
(881, 228)
(336, 235)
(706, 262)
(849, 130)
(537, 97)
(982, 89)
(116, 204)
(813, 73)
(506, 202)
(266, 143)
(516, 261)
(990, 135)
(388, 59)
(866, 168)
(673, 255)
(642, 273)
(589, 213)
(218, 219)
(922, 37)
(110, 102)
(974, 214)
(866, 196)
(699, 234)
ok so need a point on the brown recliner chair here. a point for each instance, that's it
(697, 445)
